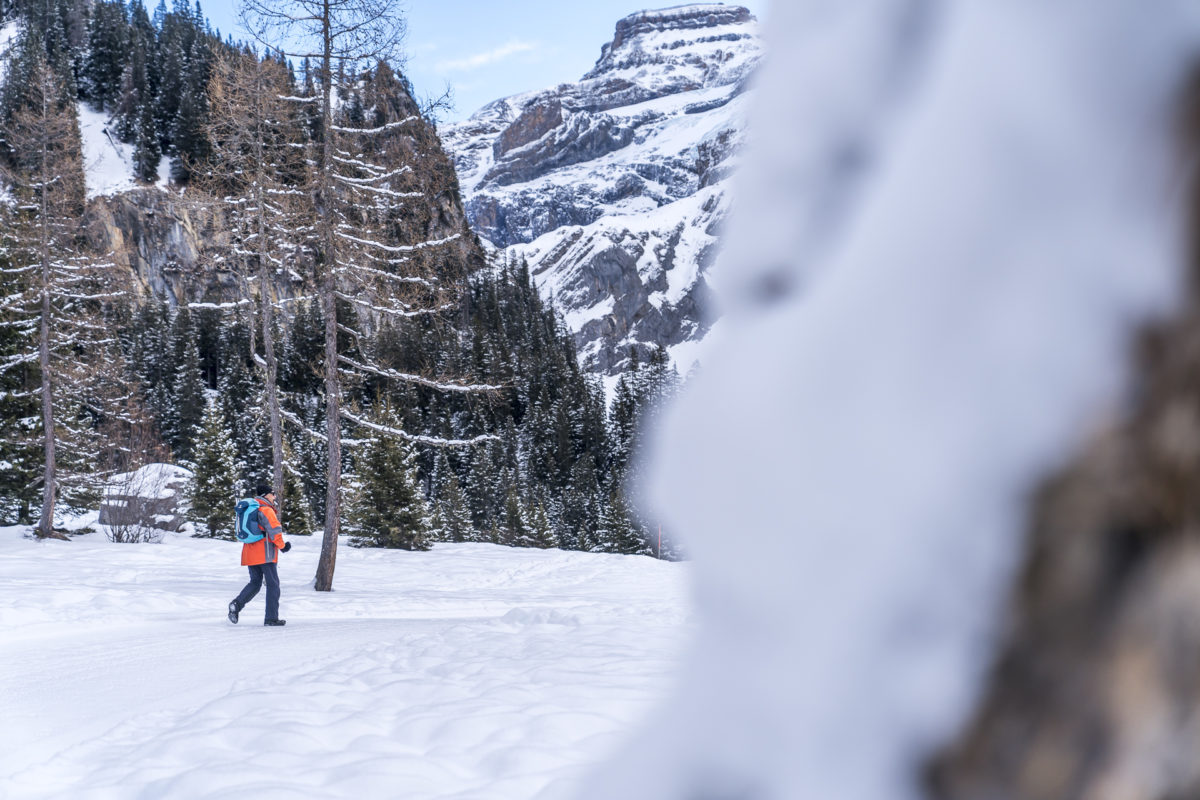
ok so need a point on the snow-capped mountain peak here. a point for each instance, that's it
(612, 187)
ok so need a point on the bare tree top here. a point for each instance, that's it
(357, 30)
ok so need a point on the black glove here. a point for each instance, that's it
(287, 546)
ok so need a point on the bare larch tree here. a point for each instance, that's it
(54, 287)
(258, 171)
(357, 193)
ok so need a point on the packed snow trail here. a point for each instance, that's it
(471, 671)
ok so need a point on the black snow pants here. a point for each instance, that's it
(257, 573)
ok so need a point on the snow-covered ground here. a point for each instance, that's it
(107, 161)
(470, 671)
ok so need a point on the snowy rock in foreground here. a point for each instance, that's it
(613, 188)
(852, 464)
(153, 496)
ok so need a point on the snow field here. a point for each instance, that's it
(107, 161)
(470, 671)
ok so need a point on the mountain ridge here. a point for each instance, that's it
(612, 188)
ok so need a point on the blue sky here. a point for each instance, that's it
(487, 49)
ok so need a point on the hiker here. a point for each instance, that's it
(260, 557)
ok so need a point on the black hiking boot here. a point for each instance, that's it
(233, 612)
(275, 622)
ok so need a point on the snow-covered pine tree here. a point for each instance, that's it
(174, 42)
(241, 394)
(514, 530)
(108, 45)
(215, 476)
(297, 520)
(186, 408)
(541, 532)
(454, 516)
(159, 18)
(136, 103)
(623, 416)
(387, 508)
(187, 127)
(582, 507)
(619, 531)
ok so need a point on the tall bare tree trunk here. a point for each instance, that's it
(268, 325)
(268, 318)
(49, 476)
(46, 523)
(333, 389)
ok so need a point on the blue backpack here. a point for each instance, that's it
(244, 515)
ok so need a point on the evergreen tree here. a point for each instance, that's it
(187, 387)
(454, 515)
(174, 43)
(187, 126)
(514, 531)
(581, 508)
(214, 486)
(136, 104)
(480, 487)
(541, 532)
(297, 513)
(108, 43)
(622, 424)
(618, 531)
(387, 509)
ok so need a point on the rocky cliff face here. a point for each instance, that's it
(177, 247)
(173, 248)
(613, 188)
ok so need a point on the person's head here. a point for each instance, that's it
(263, 490)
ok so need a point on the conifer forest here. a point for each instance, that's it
(345, 339)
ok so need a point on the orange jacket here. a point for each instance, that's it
(267, 548)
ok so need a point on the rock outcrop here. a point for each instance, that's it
(613, 187)
(177, 246)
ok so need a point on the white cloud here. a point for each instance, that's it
(487, 57)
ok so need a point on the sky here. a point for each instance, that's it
(488, 49)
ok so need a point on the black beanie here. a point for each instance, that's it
(262, 490)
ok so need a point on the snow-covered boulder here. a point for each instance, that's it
(153, 496)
